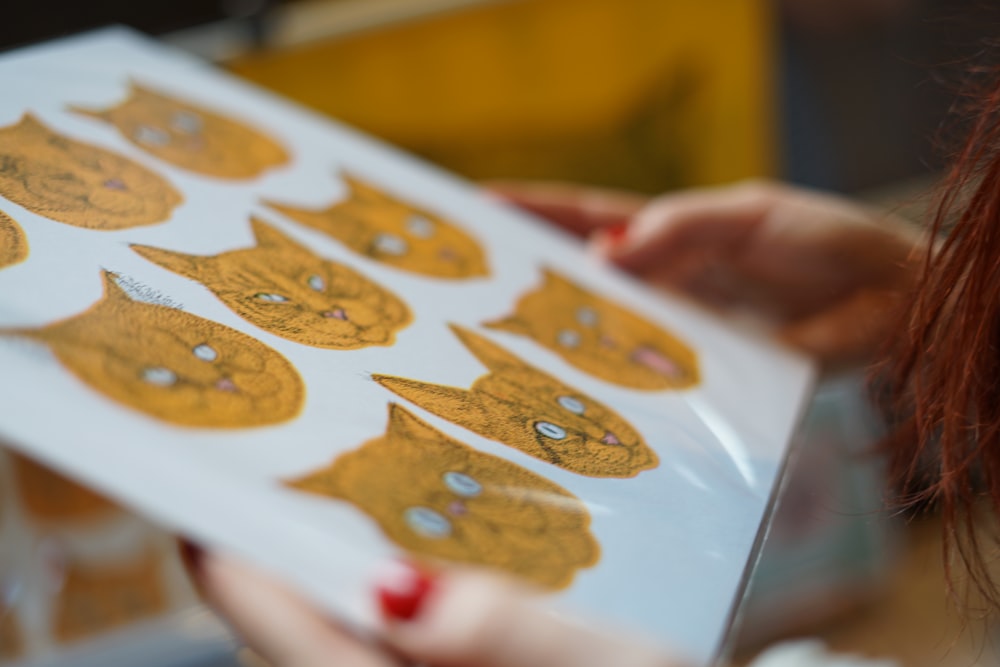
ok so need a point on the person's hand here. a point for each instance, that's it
(825, 272)
(455, 619)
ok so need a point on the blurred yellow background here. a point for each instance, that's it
(644, 94)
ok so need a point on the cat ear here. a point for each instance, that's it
(112, 290)
(102, 114)
(404, 424)
(29, 123)
(553, 279)
(189, 266)
(269, 237)
(490, 354)
(511, 323)
(361, 189)
(452, 403)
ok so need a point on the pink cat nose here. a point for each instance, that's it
(115, 184)
(608, 341)
(447, 254)
(457, 508)
(337, 314)
(610, 439)
(226, 384)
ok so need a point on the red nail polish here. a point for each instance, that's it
(616, 233)
(402, 591)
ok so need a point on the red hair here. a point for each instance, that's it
(943, 370)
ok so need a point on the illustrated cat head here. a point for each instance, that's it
(79, 184)
(97, 598)
(600, 337)
(13, 243)
(172, 365)
(522, 407)
(191, 137)
(439, 498)
(285, 289)
(375, 224)
(49, 497)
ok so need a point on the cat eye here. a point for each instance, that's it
(270, 298)
(317, 283)
(187, 122)
(462, 484)
(586, 316)
(550, 431)
(161, 377)
(569, 338)
(206, 353)
(390, 244)
(420, 226)
(152, 136)
(427, 523)
(574, 405)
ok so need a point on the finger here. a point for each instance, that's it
(278, 625)
(714, 222)
(850, 332)
(577, 209)
(479, 620)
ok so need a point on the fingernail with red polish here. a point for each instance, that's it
(616, 233)
(402, 590)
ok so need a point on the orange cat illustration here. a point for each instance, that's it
(79, 184)
(522, 407)
(285, 289)
(601, 338)
(191, 137)
(172, 365)
(13, 243)
(97, 598)
(437, 497)
(375, 224)
(48, 496)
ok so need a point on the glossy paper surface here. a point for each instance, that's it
(342, 353)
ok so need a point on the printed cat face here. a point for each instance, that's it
(601, 338)
(173, 365)
(79, 184)
(96, 599)
(286, 290)
(47, 496)
(13, 243)
(191, 137)
(437, 497)
(375, 224)
(522, 407)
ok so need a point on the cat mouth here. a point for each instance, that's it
(336, 314)
(227, 385)
(655, 361)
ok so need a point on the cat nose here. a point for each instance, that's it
(226, 384)
(610, 439)
(337, 314)
(457, 508)
(115, 184)
(447, 254)
(608, 341)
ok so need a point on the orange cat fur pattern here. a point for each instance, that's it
(79, 184)
(601, 338)
(13, 243)
(439, 498)
(172, 365)
(286, 290)
(379, 226)
(50, 497)
(522, 407)
(191, 137)
(96, 599)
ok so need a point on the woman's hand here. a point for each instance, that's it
(825, 272)
(457, 619)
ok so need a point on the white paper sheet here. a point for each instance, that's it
(674, 540)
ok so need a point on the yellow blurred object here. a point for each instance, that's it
(647, 94)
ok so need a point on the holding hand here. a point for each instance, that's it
(825, 272)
